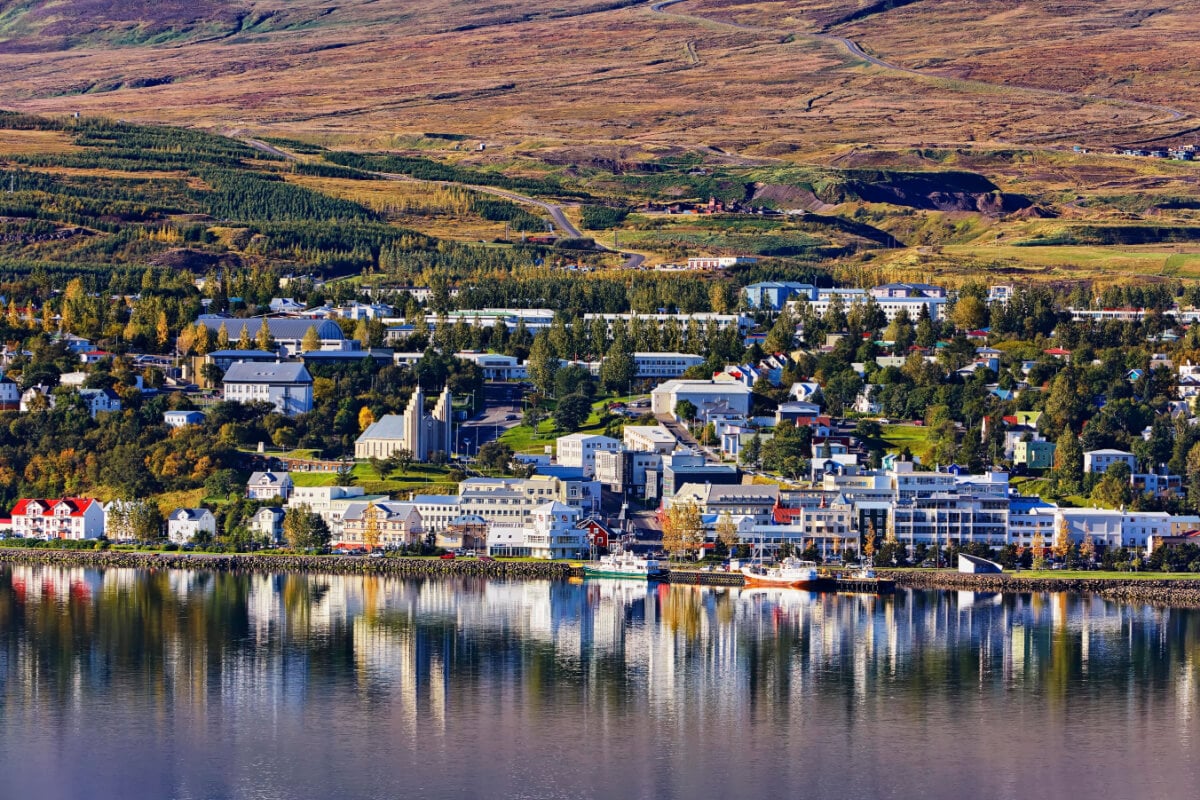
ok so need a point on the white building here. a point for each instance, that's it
(10, 394)
(627, 470)
(1098, 461)
(700, 393)
(437, 511)
(579, 450)
(756, 502)
(396, 524)
(497, 367)
(551, 533)
(182, 419)
(664, 365)
(268, 485)
(286, 385)
(184, 523)
(100, 401)
(702, 318)
(535, 319)
(648, 438)
(61, 518)
(268, 522)
(330, 502)
(507, 499)
(421, 432)
(719, 262)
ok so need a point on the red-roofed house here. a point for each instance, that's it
(65, 518)
(94, 356)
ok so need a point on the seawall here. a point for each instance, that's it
(1159, 591)
(261, 562)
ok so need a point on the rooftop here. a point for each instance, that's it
(258, 372)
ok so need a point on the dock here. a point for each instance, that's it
(830, 583)
(861, 585)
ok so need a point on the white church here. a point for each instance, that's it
(421, 432)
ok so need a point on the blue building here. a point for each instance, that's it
(772, 295)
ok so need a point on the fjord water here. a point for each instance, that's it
(130, 684)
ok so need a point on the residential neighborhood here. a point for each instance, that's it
(792, 422)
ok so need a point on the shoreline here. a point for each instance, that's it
(1176, 591)
(1158, 591)
(264, 562)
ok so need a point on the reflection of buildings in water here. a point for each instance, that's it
(666, 647)
(49, 584)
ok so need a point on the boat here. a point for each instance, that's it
(791, 572)
(624, 565)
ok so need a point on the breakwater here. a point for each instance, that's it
(1159, 591)
(273, 562)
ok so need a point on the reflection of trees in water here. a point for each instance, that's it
(182, 636)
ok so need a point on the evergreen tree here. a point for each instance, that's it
(1068, 462)
(543, 363)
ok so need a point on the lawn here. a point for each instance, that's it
(419, 478)
(523, 439)
(914, 437)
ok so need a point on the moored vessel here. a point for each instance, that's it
(791, 572)
(624, 565)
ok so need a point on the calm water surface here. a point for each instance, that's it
(129, 684)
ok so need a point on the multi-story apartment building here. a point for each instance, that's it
(395, 524)
(63, 518)
(579, 450)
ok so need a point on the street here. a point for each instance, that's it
(502, 410)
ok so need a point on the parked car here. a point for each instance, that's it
(447, 556)
(375, 554)
(486, 558)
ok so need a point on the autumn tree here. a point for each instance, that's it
(263, 339)
(244, 341)
(727, 530)
(201, 339)
(1038, 546)
(868, 548)
(683, 529)
(371, 526)
(311, 341)
(1087, 548)
(1062, 539)
(366, 418)
(162, 332)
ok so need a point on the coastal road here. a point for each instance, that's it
(853, 48)
(559, 217)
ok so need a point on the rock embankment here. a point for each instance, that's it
(259, 562)
(1175, 592)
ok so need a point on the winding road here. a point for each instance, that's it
(557, 215)
(854, 49)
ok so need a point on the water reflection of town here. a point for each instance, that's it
(420, 645)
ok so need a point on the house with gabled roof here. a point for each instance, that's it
(62, 518)
(184, 524)
(267, 485)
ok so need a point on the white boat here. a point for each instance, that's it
(791, 572)
(624, 565)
